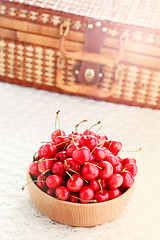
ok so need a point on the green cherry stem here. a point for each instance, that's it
(93, 165)
(48, 170)
(123, 170)
(78, 174)
(65, 162)
(62, 143)
(59, 197)
(76, 130)
(92, 127)
(31, 182)
(99, 144)
(93, 201)
(74, 141)
(110, 144)
(133, 150)
(69, 175)
(49, 159)
(99, 181)
(65, 146)
(56, 119)
(98, 130)
(59, 122)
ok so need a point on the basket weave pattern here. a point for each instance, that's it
(29, 58)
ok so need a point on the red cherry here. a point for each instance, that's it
(115, 181)
(49, 150)
(75, 183)
(58, 169)
(118, 168)
(111, 159)
(44, 166)
(61, 156)
(86, 194)
(99, 154)
(61, 142)
(94, 184)
(114, 193)
(128, 179)
(90, 142)
(132, 168)
(101, 196)
(74, 197)
(107, 170)
(70, 149)
(42, 185)
(113, 146)
(89, 172)
(33, 169)
(128, 160)
(62, 193)
(57, 133)
(50, 191)
(81, 155)
(54, 181)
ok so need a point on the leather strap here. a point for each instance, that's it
(89, 72)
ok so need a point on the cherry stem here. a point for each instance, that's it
(74, 141)
(133, 150)
(69, 175)
(56, 119)
(59, 197)
(62, 143)
(65, 146)
(93, 165)
(110, 144)
(78, 125)
(94, 200)
(92, 127)
(45, 172)
(66, 163)
(78, 174)
(40, 161)
(99, 144)
(99, 181)
(98, 130)
(59, 122)
(123, 170)
(31, 182)
(44, 142)
(65, 142)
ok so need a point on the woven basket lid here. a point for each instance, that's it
(143, 13)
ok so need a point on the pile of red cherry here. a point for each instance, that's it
(82, 167)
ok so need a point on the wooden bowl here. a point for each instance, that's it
(77, 214)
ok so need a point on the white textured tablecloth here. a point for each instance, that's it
(27, 118)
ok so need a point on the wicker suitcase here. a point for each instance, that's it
(107, 50)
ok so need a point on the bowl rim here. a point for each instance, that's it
(28, 175)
